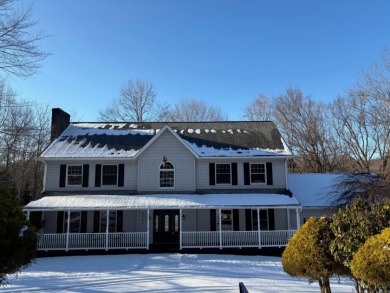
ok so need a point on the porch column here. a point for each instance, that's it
(147, 228)
(220, 228)
(67, 232)
(107, 226)
(180, 228)
(258, 226)
(28, 216)
(288, 219)
(298, 220)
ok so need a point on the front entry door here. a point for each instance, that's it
(166, 227)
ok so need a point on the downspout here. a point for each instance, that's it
(44, 177)
(286, 172)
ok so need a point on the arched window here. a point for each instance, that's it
(167, 175)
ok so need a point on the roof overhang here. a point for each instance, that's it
(161, 201)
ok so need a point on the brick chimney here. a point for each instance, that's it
(60, 120)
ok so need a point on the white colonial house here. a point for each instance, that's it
(167, 185)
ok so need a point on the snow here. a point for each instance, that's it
(313, 190)
(160, 201)
(67, 146)
(62, 148)
(162, 273)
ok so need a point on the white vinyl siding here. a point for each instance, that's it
(278, 171)
(176, 153)
(53, 175)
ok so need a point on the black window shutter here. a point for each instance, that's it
(121, 175)
(270, 180)
(212, 174)
(234, 174)
(236, 220)
(85, 175)
(271, 219)
(60, 222)
(98, 175)
(247, 180)
(213, 220)
(83, 225)
(62, 175)
(96, 221)
(248, 219)
(119, 221)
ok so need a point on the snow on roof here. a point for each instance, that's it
(77, 141)
(82, 202)
(212, 139)
(313, 190)
(205, 151)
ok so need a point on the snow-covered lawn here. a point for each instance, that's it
(161, 273)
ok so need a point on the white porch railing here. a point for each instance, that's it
(139, 240)
(277, 238)
(89, 241)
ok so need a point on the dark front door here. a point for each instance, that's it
(166, 227)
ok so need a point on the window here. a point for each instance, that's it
(110, 175)
(226, 220)
(167, 175)
(263, 220)
(111, 221)
(74, 175)
(222, 174)
(257, 173)
(75, 221)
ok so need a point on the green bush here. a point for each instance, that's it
(307, 254)
(18, 243)
(371, 263)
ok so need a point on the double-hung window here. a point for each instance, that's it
(258, 174)
(167, 175)
(227, 220)
(110, 175)
(74, 223)
(263, 220)
(74, 175)
(223, 173)
(112, 218)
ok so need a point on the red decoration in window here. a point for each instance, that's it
(165, 160)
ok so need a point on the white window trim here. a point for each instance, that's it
(216, 183)
(117, 175)
(220, 219)
(67, 175)
(174, 176)
(265, 174)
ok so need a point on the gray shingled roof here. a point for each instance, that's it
(125, 139)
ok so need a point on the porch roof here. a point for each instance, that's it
(160, 201)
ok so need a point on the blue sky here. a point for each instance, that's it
(222, 52)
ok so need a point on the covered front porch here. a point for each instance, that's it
(109, 222)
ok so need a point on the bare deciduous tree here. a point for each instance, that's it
(136, 102)
(19, 51)
(303, 122)
(24, 133)
(193, 110)
(374, 86)
(260, 109)
(369, 187)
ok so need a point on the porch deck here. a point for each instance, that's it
(140, 240)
